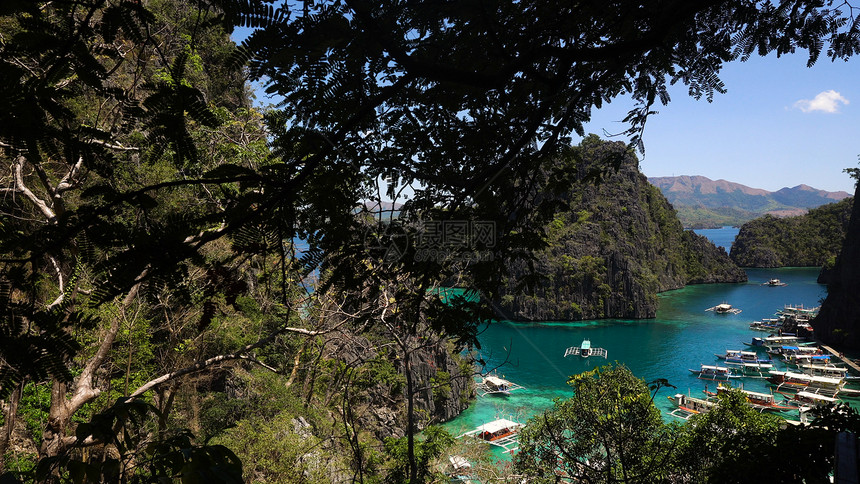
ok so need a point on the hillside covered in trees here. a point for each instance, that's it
(811, 240)
(615, 244)
(705, 203)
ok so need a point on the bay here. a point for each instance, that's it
(683, 336)
(722, 237)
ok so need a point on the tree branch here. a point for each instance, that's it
(38, 202)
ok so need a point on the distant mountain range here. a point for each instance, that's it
(704, 203)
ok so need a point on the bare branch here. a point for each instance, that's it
(60, 282)
(38, 202)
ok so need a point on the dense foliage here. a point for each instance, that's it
(810, 240)
(613, 246)
(149, 269)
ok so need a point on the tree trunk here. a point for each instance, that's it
(58, 419)
(410, 419)
(838, 322)
(9, 424)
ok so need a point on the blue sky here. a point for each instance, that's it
(780, 124)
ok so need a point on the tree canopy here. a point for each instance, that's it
(144, 201)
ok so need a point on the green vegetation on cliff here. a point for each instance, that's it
(613, 247)
(807, 240)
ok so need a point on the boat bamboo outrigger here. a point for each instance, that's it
(813, 399)
(585, 350)
(724, 308)
(757, 400)
(828, 370)
(689, 406)
(500, 433)
(739, 356)
(493, 385)
(757, 370)
(791, 382)
(709, 372)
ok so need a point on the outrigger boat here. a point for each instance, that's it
(585, 350)
(787, 381)
(814, 399)
(500, 433)
(724, 308)
(759, 401)
(774, 283)
(773, 341)
(830, 370)
(757, 370)
(738, 356)
(769, 325)
(799, 312)
(493, 385)
(709, 372)
(789, 350)
(795, 360)
(689, 406)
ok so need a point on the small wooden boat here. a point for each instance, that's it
(770, 325)
(759, 401)
(724, 308)
(830, 371)
(788, 350)
(787, 380)
(493, 385)
(715, 373)
(738, 356)
(757, 370)
(813, 399)
(688, 406)
(799, 312)
(774, 283)
(500, 433)
(585, 350)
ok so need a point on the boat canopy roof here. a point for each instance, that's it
(834, 369)
(759, 395)
(817, 379)
(494, 380)
(498, 425)
(586, 344)
(816, 396)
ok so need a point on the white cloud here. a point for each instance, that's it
(827, 101)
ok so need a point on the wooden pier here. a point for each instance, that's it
(836, 354)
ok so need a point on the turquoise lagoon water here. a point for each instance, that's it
(683, 336)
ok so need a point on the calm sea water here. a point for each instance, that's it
(722, 237)
(683, 336)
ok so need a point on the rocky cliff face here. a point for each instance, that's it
(618, 245)
(442, 379)
(838, 323)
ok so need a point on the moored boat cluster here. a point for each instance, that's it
(799, 373)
